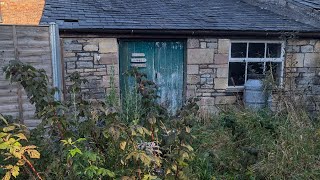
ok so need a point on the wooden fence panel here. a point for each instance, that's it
(29, 44)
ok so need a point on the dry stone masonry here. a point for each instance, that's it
(207, 72)
(96, 59)
(302, 70)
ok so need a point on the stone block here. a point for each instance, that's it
(69, 54)
(221, 59)
(222, 72)
(70, 59)
(206, 71)
(113, 69)
(90, 47)
(85, 58)
(220, 83)
(192, 69)
(106, 81)
(109, 58)
(211, 40)
(190, 93)
(210, 81)
(207, 101)
(193, 43)
(312, 60)
(294, 60)
(203, 80)
(317, 47)
(200, 56)
(83, 54)
(193, 79)
(71, 65)
(84, 64)
(307, 49)
(108, 45)
(203, 45)
(72, 47)
(293, 49)
(205, 75)
(223, 46)
(212, 45)
(225, 99)
(207, 86)
(296, 42)
(101, 73)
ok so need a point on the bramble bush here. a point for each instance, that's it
(94, 139)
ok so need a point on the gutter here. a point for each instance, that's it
(89, 32)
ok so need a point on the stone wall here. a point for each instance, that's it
(207, 72)
(302, 70)
(97, 61)
(207, 68)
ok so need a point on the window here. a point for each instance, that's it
(254, 59)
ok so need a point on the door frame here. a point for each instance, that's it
(183, 40)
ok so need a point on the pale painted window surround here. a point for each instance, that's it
(252, 59)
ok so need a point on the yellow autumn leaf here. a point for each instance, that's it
(7, 176)
(21, 136)
(34, 154)
(20, 162)
(15, 171)
(188, 129)
(9, 128)
(123, 145)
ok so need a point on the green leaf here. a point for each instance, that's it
(4, 145)
(2, 134)
(74, 151)
(110, 173)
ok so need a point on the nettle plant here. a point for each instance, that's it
(94, 139)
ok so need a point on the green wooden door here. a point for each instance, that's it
(162, 61)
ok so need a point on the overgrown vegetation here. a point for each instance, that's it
(99, 139)
(79, 138)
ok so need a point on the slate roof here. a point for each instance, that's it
(309, 3)
(166, 14)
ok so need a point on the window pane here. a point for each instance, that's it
(256, 50)
(273, 50)
(255, 70)
(274, 69)
(237, 73)
(238, 50)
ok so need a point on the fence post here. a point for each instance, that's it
(56, 60)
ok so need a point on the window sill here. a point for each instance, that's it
(235, 89)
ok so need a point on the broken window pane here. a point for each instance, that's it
(255, 70)
(238, 50)
(273, 50)
(236, 73)
(273, 69)
(256, 50)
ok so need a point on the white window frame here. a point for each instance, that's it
(264, 59)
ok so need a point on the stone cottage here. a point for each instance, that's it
(206, 48)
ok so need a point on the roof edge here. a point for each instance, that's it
(190, 32)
